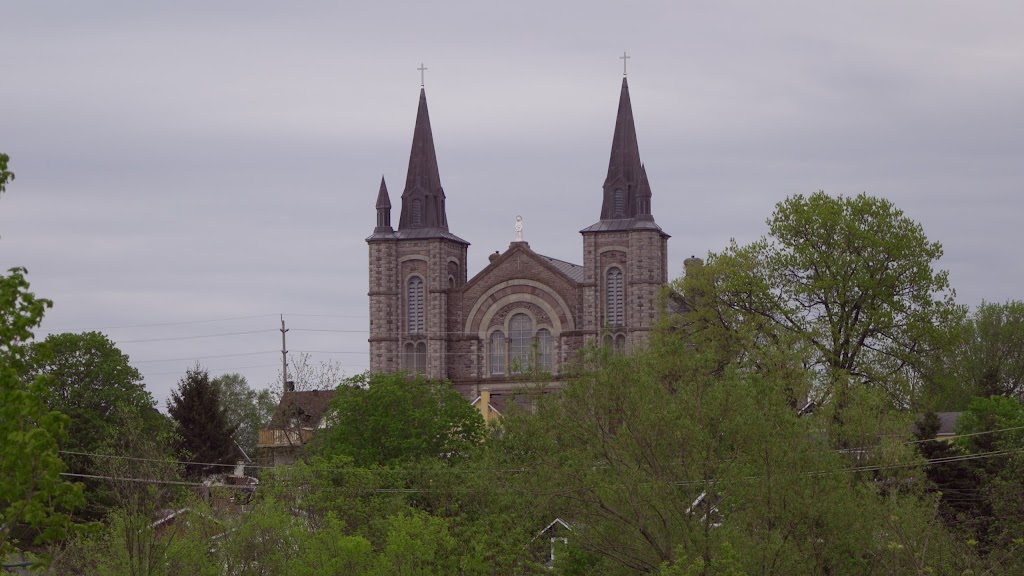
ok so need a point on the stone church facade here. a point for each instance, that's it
(524, 311)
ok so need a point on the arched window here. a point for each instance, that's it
(614, 298)
(520, 339)
(421, 357)
(417, 212)
(620, 343)
(607, 341)
(414, 305)
(496, 351)
(619, 199)
(409, 357)
(544, 350)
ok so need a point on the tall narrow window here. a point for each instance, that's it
(520, 337)
(619, 198)
(614, 298)
(496, 352)
(414, 302)
(417, 212)
(408, 357)
(544, 350)
(620, 343)
(421, 357)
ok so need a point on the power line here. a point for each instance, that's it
(214, 370)
(160, 460)
(326, 316)
(195, 337)
(189, 358)
(232, 319)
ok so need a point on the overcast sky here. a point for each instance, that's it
(190, 170)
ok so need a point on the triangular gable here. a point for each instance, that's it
(523, 249)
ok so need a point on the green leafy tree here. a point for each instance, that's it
(205, 436)
(663, 460)
(248, 411)
(5, 174)
(849, 281)
(418, 545)
(990, 358)
(35, 501)
(91, 381)
(381, 419)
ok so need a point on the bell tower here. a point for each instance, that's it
(415, 270)
(625, 254)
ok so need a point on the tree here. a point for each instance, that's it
(248, 411)
(5, 174)
(848, 280)
(202, 424)
(662, 458)
(306, 376)
(35, 501)
(380, 419)
(978, 478)
(91, 381)
(990, 356)
(94, 383)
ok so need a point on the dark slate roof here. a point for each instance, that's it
(626, 172)
(423, 180)
(623, 224)
(383, 200)
(308, 406)
(416, 234)
(573, 271)
(947, 423)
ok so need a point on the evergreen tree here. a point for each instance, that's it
(205, 437)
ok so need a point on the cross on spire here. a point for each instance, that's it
(422, 69)
(624, 58)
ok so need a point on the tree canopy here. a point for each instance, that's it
(35, 501)
(990, 358)
(94, 383)
(380, 419)
(849, 280)
(205, 436)
(248, 411)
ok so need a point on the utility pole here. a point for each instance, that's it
(284, 358)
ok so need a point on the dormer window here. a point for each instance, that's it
(619, 203)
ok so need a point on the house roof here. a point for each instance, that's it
(947, 423)
(308, 406)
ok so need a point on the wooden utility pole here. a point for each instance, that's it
(284, 358)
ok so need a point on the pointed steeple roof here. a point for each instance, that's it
(627, 191)
(383, 200)
(423, 197)
(383, 210)
(624, 164)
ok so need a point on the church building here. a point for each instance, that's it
(524, 312)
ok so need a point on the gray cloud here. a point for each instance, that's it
(193, 162)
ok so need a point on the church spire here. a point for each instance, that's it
(383, 208)
(627, 192)
(423, 197)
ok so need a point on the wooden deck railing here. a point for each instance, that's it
(278, 438)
